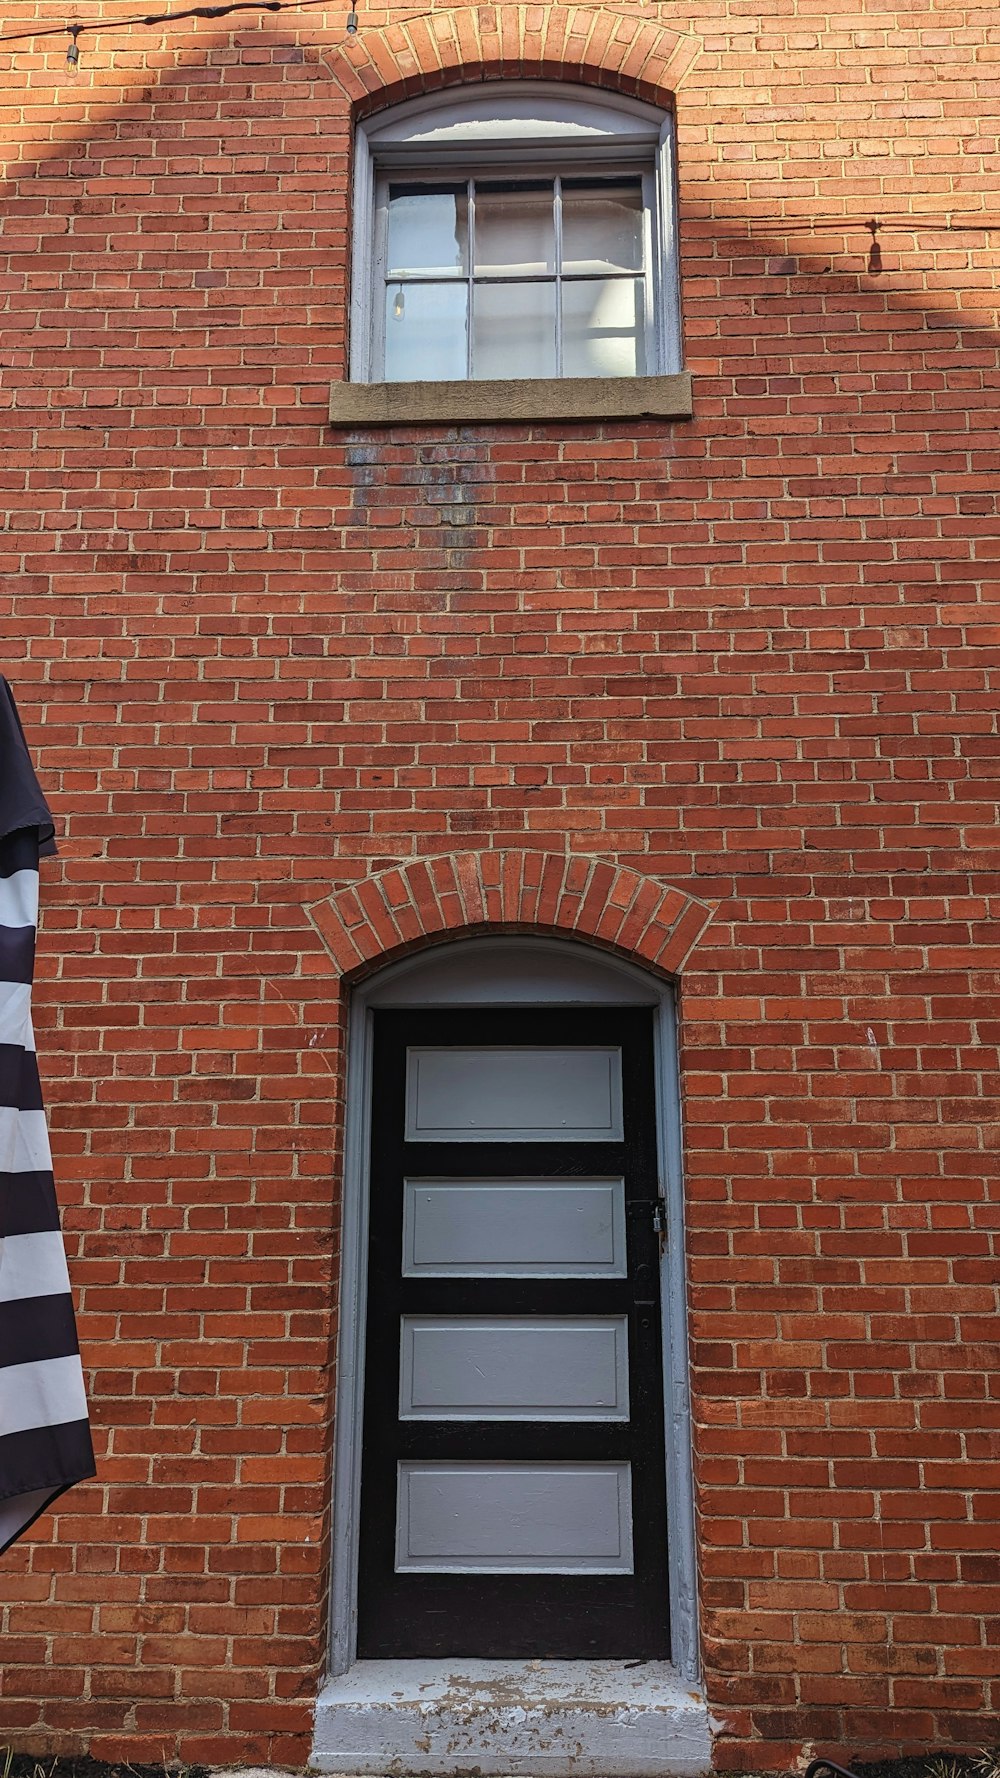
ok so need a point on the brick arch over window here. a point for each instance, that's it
(418, 903)
(640, 57)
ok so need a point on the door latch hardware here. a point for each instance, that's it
(657, 1211)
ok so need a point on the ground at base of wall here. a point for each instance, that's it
(980, 1763)
(41, 1765)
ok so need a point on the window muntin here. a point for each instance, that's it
(489, 278)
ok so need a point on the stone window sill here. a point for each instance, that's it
(538, 399)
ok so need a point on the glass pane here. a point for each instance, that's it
(426, 329)
(514, 330)
(603, 328)
(602, 227)
(515, 230)
(428, 229)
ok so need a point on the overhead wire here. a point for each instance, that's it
(106, 26)
(896, 221)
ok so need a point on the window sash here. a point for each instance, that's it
(580, 171)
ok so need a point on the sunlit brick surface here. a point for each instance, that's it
(723, 693)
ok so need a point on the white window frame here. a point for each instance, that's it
(494, 127)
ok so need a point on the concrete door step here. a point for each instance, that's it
(511, 1719)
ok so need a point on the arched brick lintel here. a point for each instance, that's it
(429, 900)
(639, 57)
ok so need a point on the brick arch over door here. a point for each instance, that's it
(641, 57)
(419, 903)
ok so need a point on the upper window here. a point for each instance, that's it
(514, 231)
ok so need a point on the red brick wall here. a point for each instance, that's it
(752, 657)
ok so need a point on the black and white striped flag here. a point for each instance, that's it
(44, 1430)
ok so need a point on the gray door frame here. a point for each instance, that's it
(510, 971)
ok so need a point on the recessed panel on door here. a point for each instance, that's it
(513, 1228)
(456, 1094)
(513, 1367)
(514, 1518)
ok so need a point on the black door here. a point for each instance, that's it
(513, 1491)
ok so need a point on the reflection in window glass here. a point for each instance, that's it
(552, 272)
(426, 332)
(514, 330)
(602, 328)
(602, 226)
(428, 229)
(515, 230)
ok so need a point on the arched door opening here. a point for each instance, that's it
(512, 1443)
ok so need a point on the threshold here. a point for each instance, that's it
(570, 1719)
